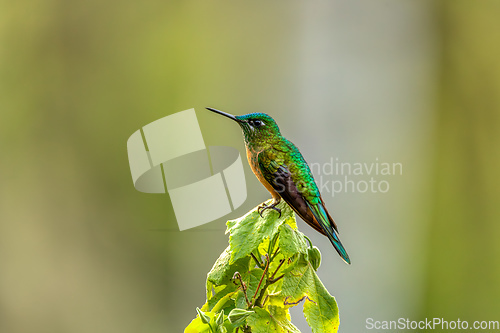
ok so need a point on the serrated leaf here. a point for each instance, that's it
(247, 232)
(262, 322)
(299, 282)
(223, 270)
(320, 308)
(240, 301)
(291, 241)
(282, 316)
(271, 320)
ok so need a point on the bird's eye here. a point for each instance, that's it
(257, 123)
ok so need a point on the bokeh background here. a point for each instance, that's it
(411, 82)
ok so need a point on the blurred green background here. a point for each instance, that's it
(412, 82)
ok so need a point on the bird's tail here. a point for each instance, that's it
(322, 217)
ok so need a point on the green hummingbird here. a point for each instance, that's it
(280, 167)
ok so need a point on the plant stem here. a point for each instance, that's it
(258, 301)
(257, 261)
(262, 277)
(310, 243)
(277, 269)
(243, 287)
(272, 242)
(277, 279)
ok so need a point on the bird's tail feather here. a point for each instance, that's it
(322, 217)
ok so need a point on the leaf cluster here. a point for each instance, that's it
(268, 267)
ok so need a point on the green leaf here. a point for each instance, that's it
(240, 301)
(221, 293)
(225, 302)
(262, 322)
(320, 308)
(282, 316)
(197, 326)
(291, 241)
(291, 279)
(273, 320)
(223, 270)
(247, 232)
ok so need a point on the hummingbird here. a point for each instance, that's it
(281, 168)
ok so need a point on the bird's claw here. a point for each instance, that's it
(278, 210)
(263, 207)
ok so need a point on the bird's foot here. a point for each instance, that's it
(263, 207)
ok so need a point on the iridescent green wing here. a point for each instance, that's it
(278, 175)
(294, 183)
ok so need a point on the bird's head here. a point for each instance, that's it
(256, 126)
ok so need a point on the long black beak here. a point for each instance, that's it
(230, 116)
